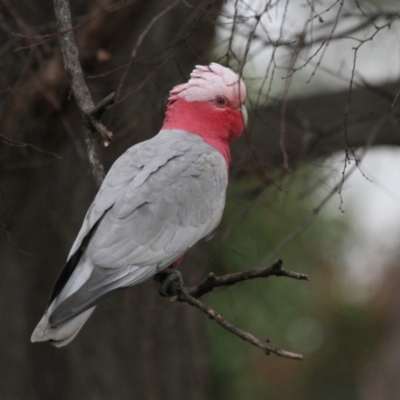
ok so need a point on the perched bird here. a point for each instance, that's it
(158, 199)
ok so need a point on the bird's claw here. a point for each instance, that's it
(171, 282)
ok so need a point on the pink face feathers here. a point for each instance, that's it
(211, 105)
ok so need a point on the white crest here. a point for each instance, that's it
(206, 82)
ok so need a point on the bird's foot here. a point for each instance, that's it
(171, 282)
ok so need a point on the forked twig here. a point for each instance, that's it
(212, 281)
(191, 294)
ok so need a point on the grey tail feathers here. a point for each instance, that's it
(62, 334)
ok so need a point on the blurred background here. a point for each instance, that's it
(314, 181)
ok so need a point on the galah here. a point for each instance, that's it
(158, 199)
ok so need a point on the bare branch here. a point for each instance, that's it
(191, 294)
(80, 91)
(212, 281)
(138, 44)
(183, 296)
(6, 140)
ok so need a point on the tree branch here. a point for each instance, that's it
(212, 281)
(191, 294)
(183, 296)
(80, 91)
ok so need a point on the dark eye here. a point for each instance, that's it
(221, 101)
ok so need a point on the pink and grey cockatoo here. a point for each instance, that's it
(158, 199)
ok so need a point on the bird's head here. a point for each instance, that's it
(211, 105)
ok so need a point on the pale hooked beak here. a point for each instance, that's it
(244, 113)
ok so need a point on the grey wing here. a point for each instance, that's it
(155, 223)
(127, 170)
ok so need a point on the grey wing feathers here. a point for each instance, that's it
(128, 170)
(155, 222)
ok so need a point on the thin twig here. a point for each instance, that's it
(138, 44)
(183, 296)
(11, 142)
(212, 281)
(101, 107)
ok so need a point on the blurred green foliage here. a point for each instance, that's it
(334, 335)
